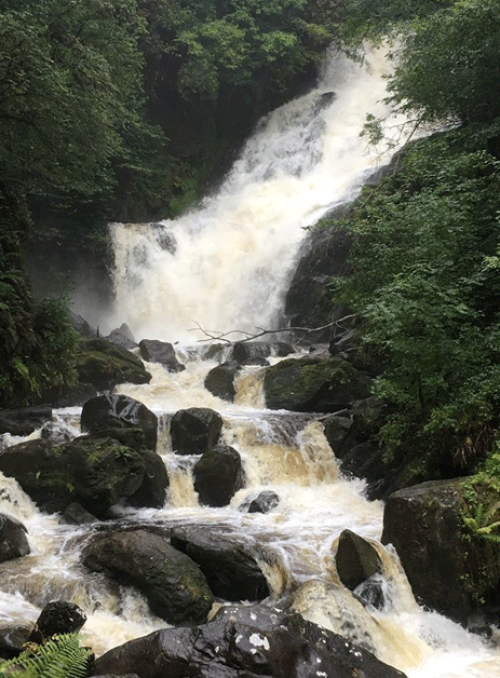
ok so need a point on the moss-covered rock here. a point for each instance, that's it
(175, 587)
(313, 384)
(105, 365)
(96, 471)
(451, 567)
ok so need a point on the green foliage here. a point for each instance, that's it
(449, 65)
(61, 657)
(69, 81)
(38, 344)
(425, 285)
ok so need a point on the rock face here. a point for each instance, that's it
(173, 584)
(96, 471)
(195, 430)
(245, 642)
(106, 412)
(13, 539)
(105, 365)
(313, 385)
(218, 475)
(155, 351)
(323, 254)
(220, 381)
(356, 559)
(444, 567)
(231, 571)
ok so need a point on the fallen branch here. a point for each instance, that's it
(212, 335)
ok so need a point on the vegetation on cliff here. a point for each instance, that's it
(426, 249)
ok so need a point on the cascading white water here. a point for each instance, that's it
(232, 260)
(226, 264)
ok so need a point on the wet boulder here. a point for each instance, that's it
(195, 430)
(232, 571)
(450, 569)
(155, 351)
(173, 584)
(119, 411)
(338, 432)
(13, 539)
(312, 384)
(264, 502)
(75, 514)
(248, 641)
(220, 381)
(96, 471)
(13, 639)
(123, 337)
(24, 420)
(218, 475)
(58, 617)
(356, 560)
(105, 365)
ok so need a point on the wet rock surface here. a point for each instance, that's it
(176, 589)
(220, 381)
(13, 538)
(105, 364)
(446, 571)
(96, 471)
(106, 412)
(232, 571)
(218, 475)
(356, 559)
(24, 420)
(245, 643)
(312, 384)
(195, 430)
(155, 351)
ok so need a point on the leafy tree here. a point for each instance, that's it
(425, 285)
(69, 83)
(449, 66)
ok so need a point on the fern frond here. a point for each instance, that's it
(61, 657)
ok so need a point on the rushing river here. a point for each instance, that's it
(226, 266)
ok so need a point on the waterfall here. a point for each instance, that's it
(226, 264)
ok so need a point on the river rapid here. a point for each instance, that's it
(226, 266)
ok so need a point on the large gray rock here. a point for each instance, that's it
(13, 539)
(449, 569)
(106, 412)
(314, 385)
(247, 642)
(97, 471)
(173, 584)
(218, 475)
(105, 365)
(195, 430)
(155, 351)
(123, 337)
(231, 570)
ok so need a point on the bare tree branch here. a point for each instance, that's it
(213, 335)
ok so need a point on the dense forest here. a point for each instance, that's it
(128, 110)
